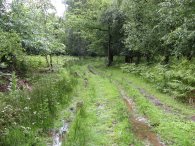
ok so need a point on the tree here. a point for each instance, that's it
(97, 24)
(113, 19)
(37, 26)
(178, 26)
(10, 48)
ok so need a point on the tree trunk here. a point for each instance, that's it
(47, 61)
(127, 59)
(110, 53)
(131, 59)
(189, 56)
(148, 58)
(166, 59)
(110, 57)
(51, 62)
(138, 58)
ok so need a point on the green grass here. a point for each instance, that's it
(100, 116)
(135, 81)
(172, 128)
(104, 117)
(27, 116)
(176, 78)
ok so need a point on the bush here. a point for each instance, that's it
(177, 79)
(10, 48)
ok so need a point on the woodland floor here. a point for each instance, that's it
(119, 109)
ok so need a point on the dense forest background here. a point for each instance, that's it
(134, 29)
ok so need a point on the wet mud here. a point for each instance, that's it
(140, 126)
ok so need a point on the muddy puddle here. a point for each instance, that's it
(58, 135)
(193, 118)
(140, 125)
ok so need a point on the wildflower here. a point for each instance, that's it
(26, 108)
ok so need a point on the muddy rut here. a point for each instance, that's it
(167, 109)
(154, 100)
(140, 124)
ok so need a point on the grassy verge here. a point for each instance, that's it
(26, 116)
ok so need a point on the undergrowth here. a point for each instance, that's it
(26, 116)
(178, 79)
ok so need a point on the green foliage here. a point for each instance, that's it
(10, 47)
(160, 27)
(78, 133)
(25, 115)
(131, 28)
(39, 30)
(176, 79)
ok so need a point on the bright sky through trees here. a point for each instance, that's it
(60, 7)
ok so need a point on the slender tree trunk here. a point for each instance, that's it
(127, 59)
(131, 59)
(167, 58)
(51, 62)
(189, 56)
(148, 58)
(47, 61)
(110, 53)
(110, 57)
(138, 58)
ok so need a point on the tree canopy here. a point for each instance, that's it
(131, 28)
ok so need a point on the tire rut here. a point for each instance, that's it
(140, 124)
(167, 109)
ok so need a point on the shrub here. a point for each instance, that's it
(177, 79)
(10, 48)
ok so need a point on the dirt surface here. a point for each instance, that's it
(90, 68)
(193, 118)
(139, 124)
(164, 107)
(155, 101)
(6, 81)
